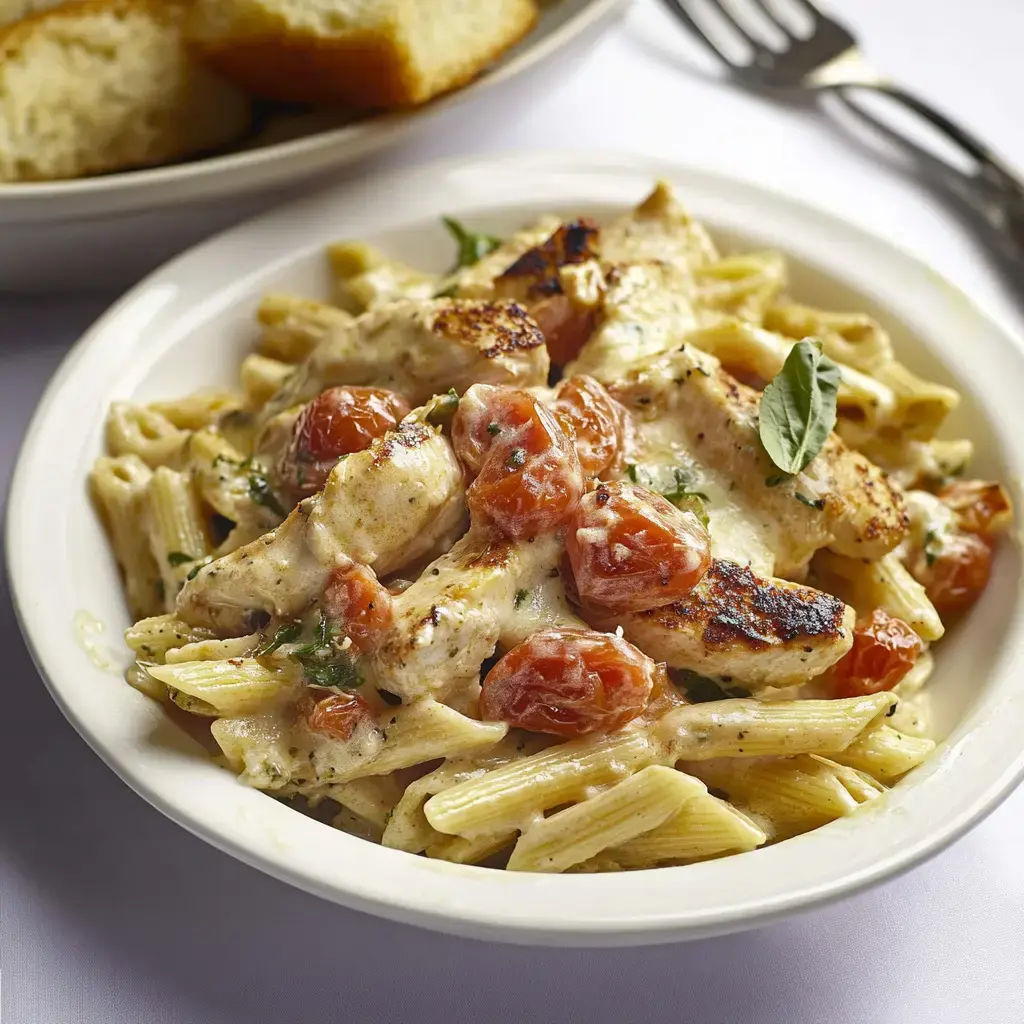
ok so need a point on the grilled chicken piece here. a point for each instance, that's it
(481, 593)
(395, 503)
(760, 632)
(840, 500)
(535, 274)
(423, 348)
(658, 229)
(477, 281)
(646, 313)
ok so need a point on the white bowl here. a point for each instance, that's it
(188, 325)
(109, 231)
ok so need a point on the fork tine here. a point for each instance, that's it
(774, 18)
(676, 8)
(735, 26)
(809, 9)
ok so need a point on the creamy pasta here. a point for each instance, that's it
(598, 552)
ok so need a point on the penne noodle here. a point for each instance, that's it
(885, 584)
(885, 753)
(237, 685)
(613, 817)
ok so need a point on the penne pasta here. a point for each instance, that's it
(885, 584)
(613, 817)
(177, 534)
(236, 685)
(704, 827)
(885, 753)
(145, 433)
(293, 326)
(473, 631)
(121, 489)
(200, 409)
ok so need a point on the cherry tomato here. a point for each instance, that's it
(568, 682)
(339, 421)
(884, 651)
(981, 507)
(597, 420)
(631, 550)
(529, 473)
(336, 715)
(957, 574)
(565, 326)
(357, 599)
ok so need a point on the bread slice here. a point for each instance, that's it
(15, 10)
(364, 54)
(104, 85)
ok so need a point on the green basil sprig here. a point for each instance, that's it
(472, 246)
(798, 408)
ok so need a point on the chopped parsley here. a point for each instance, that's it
(516, 459)
(473, 246)
(262, 494)
(177, 558)
(521, 596)
(324, 663)
(493, 429)
(286, 634)
(700, 689)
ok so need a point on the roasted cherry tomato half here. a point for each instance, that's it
(566, 327)
(955, 576)
(529, 477)
(354, 597)
(598, 422)
(569, 682)
(339, 421)
(632, 550)
(336, 715)
(884, 651)
(981, 507)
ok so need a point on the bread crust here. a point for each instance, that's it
(361, 70)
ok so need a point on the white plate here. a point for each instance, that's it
(189, 324)
(110, 230)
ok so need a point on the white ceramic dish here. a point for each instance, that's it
(108, 231)
(188, 324)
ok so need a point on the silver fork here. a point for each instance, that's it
(826, 60)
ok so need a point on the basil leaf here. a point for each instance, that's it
(473, 246)
(798, 408)
(701, 690)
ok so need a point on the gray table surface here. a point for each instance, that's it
(111, 914)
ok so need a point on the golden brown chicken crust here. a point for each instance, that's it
(507, 322)
(534, 275)
(733, 607)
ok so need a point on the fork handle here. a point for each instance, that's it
(994, 193)
(991, 167)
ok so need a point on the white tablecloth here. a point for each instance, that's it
(112, 915)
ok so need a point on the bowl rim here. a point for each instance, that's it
(630, 908)
(208, 177)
